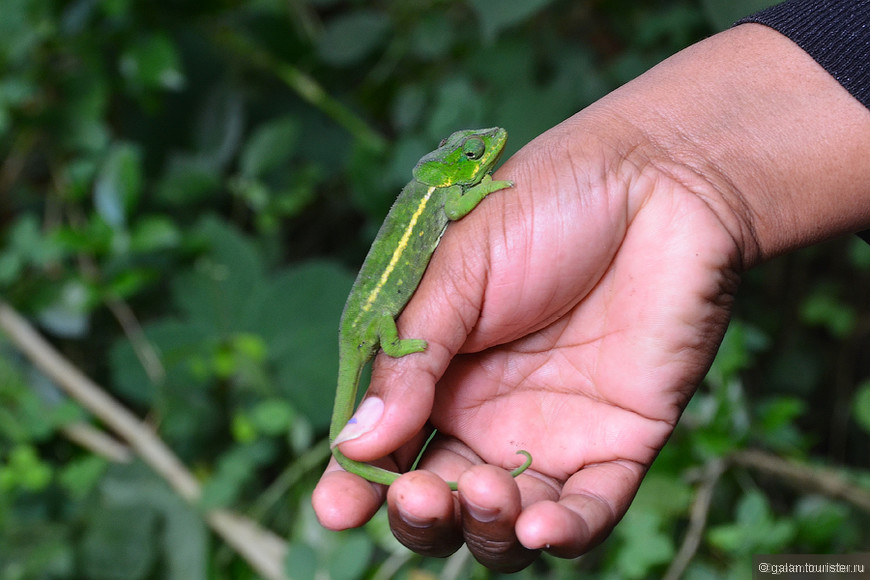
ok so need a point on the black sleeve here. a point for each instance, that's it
(836, 33)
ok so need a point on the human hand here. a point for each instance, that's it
(574, 316)
(580, 337)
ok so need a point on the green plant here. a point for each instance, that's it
(178, 179)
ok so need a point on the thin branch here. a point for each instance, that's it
(804, 477)
(97, 442)
(124, 315)
(697, 520)
(145, 351)
(391, 566)
(456, 564)
(278, 489)
(261, 548)
(306, 87)
(15, 162)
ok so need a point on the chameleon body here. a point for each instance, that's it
(447, 184)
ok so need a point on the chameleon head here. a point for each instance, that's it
(463, 158)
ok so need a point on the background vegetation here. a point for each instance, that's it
(186, 188)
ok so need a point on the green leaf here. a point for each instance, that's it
(408, 107)
(645, 545)
(187, 180)
(301, 562)
(219, 127)
(11, 267)
(433, 36)
(350, 37)
(31, 407)
(24, 469)
(137, 527)
(119, 544)
(780, 411)
(26, 245)
(68, 315)
(272, 416)
(742, 341)
(185, 539)
(152, 63)
(724, 13)
(152, 233)
(218, 291)
(270, 147)
(859, 254)
(243, 429)
(178, 344)
(824, 309)
(457, 104)
(820, 519)
(84, 125)
(119, 184)
(356, 551)
(80, 174)
(755, 530)
(129, 282)
(235, 469)
(663, 494)
(497, 15)
(80, 476)
(861, 405)
(777, 422)
(298, 315)
(25, 24)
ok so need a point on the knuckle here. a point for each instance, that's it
(501, 554)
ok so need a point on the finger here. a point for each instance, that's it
(342, 500)
(401, 395)
(424, 514)
(592, 502)
(491, 503)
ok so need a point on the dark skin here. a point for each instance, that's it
(595, 298)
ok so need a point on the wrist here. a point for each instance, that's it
(770, 141)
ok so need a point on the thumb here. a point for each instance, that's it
(393, 413)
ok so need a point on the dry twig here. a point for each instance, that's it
(261, 548)
(697, 520)
(805, 478)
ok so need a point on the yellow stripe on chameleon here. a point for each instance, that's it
(397, 253)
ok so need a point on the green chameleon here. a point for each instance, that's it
(448, 183)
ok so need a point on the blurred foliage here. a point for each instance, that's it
(185, 190)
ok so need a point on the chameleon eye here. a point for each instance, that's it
(443, 142)
(474, 148)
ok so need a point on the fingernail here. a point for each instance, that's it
(363, 421)
(480, 513)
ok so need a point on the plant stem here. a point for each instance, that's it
(263, 550)
(307, 88)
